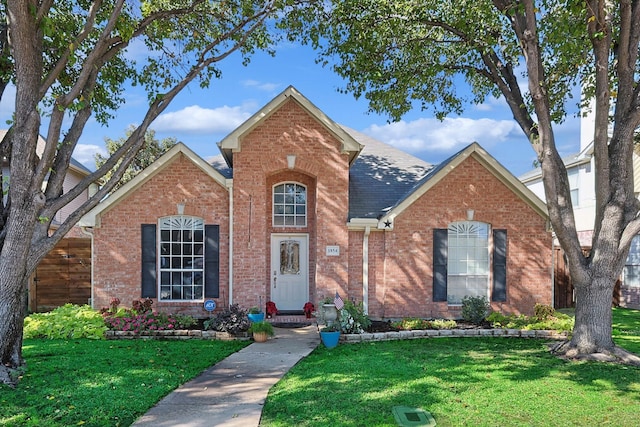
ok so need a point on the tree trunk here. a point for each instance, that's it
(593, 323)
(12, 312)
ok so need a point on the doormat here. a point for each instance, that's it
(409, 417)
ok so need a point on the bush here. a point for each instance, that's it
(544, 312)
(557, 322)
(411, 324)
(443, 324)
(148, 321)
(68, 321)
(475, 309)
(232, 320)
(352, 318)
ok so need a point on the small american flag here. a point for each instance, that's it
(338, 302)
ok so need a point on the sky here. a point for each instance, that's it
(202, 117)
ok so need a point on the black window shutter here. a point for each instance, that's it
(211, 261)
(149, 258)
(440, 245)
(499, 293)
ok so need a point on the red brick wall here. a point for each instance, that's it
(400, 283)
(261, 163)
(117, 265)
(630, 297)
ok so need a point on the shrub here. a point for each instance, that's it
(352, 318)
(232, 320)
(475, 309)
(544, 312)
(68, 321)
(557, 322)
(411, 324)
(142, 306)
(443, 324)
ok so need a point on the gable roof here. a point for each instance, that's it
(92, 218)
(570, 161)
(233, 142)
(435, 175)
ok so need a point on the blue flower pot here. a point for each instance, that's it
(256, 317)
(330, 339)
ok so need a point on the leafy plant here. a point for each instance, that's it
(255, 310)
(557, 322)
(475, 309)
(148, 321)
(411, 324)
(443, 324)
(142, 306)
(353, 320)
(264, 327)
(232, 320)
(68, 321)
(543, 312)
(334, 327)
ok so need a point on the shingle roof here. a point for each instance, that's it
(381, 176)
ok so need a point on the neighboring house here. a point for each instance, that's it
(298, 208)
(580, 170)
(64, 275)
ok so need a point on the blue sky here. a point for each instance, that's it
(202, 117)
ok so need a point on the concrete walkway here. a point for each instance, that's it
(232, 392)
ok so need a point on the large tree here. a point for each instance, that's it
(405, 53)
(150, 152)
(67, 61)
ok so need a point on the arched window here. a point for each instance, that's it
(289, 205)
(181, 250)
(468, 260)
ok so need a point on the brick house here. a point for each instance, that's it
(297, 208)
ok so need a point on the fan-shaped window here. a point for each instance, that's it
(468, 260)
(181, 249)
(289, 205)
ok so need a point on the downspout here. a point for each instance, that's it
(89, 232)
(365, 270)
(230, 187)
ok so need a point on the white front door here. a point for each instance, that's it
(290, 270)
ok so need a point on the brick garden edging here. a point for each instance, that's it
(179, 334)
(434, 333)
(347, 338)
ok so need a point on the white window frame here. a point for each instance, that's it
(468, 260)
(181, 246)
(287, 209)
(631, 271)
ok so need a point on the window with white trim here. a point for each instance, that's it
(181, 263)
(574, 187)
(289, 205)
(631, 272)
(468, 260)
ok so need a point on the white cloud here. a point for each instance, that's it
(197, 120)
(267, 87)
(433, 135)
(84, 153)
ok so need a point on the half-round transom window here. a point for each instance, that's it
(289, 205)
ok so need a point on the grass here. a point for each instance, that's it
(102, 383)
(461, 381)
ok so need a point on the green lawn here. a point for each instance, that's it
(102, 383)
(461, 381)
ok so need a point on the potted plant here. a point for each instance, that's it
(261, 331)
(255, 315)
(330, 335)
